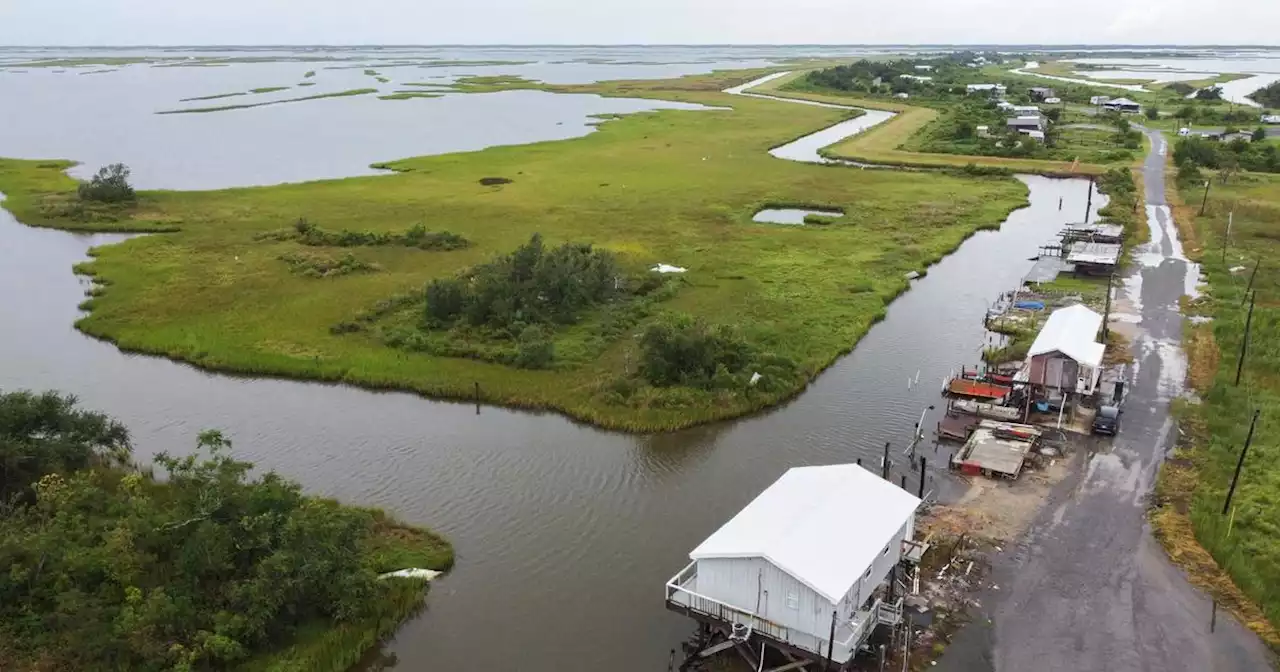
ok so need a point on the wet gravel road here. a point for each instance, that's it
(1088, 588)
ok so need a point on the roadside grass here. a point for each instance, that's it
(673, 186)
(1235, 557)
(223, 108)
(268, 89)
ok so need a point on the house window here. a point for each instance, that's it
(793, 600)
(868, 574)
(885, 551)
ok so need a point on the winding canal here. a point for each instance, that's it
(565, 534)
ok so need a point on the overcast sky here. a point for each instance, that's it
(186, 22)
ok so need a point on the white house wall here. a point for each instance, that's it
(757, 585)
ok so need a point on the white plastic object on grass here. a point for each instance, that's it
(667, 268)
(412, 573)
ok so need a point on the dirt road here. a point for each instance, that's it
(1088, 588)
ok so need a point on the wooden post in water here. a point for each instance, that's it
(920, 493)
(477, 397)
(884, 465)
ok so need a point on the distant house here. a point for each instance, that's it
(1025, 110)
(903, 95)
(1271, 119)
(988, 89)
(1099, 100)
(1034, 135)
(915, 78)
(809, 557)
(1066, 357)
(1026, 123)
(1122, 105)
(1040, 93)
(983, 131)
(1052, 101)
(1238, 135)
(924, 68)
(1004, 105)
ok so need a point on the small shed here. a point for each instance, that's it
(806, 555)
(1026, 123)
(1093, 233)
(1040, 93)
(1092, 258)
(1066, 356)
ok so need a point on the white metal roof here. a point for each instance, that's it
(1071, 331)
(1120, 101)
(823, 525)
(1094, 253)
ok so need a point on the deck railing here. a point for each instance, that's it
(678, 592)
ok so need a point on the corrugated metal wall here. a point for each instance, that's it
(757, 585)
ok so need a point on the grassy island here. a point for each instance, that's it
(646, 352)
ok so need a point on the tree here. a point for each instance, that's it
(108, 568)
(109, 185)
(1209, 93)
(1230, 166)
(1153, 113)
(1186, 113)
(45, 433)
(1259, 134)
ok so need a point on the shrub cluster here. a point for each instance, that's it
(109, 185)
(533, 285)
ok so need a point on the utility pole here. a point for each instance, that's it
(1252, 275)
(1244, 343)
(1226, 239)
(1226, 505)
(1106, 315)
(1205, 201)
(1088, 206)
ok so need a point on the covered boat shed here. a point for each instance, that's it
(1066, 356)
(805, 559)
(1094, 258)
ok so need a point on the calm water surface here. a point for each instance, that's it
(565, 534)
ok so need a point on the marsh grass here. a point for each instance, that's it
(407, 95)
(316, 265)
(223, 108)
(671, 186)
(268, 89)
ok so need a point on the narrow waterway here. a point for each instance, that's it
(565, 534)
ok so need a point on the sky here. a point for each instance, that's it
(250, 22)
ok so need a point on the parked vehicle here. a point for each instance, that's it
(1107, 421)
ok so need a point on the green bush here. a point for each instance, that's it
(532, 285)
(534, 349)
(109, 568)
(683, 351)
(109, 185)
